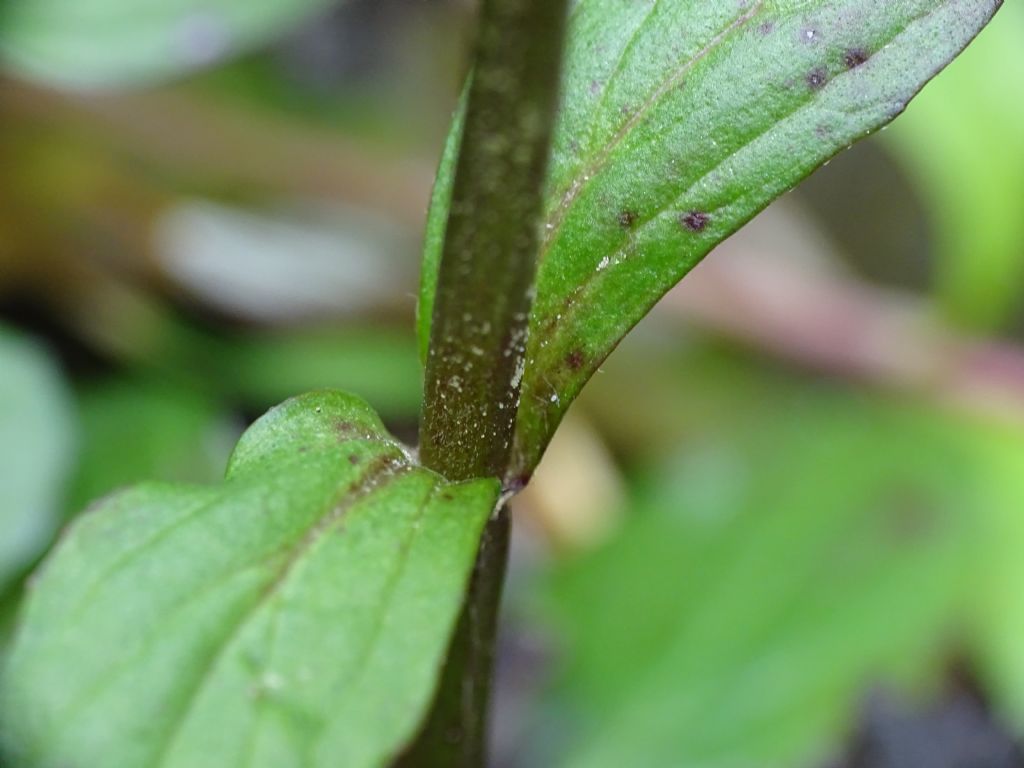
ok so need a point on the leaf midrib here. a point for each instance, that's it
(379, 617)
(384, 470)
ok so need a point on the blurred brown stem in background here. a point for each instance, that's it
(224, 145)
(834, 323)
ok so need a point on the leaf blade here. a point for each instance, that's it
(681, 121)
(840, 64)
(257, 611)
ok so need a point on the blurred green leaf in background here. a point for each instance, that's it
(961, 145)
(37, 441)
(92, 43)
(137, 430)
(781, 566)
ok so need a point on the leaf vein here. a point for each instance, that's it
(384, 470)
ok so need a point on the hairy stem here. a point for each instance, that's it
(478, 334)
(488, 262)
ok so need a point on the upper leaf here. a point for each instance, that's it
(36, 426)
(295, 614)
(681, 119)
(92, 43)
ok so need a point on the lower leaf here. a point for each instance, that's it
(297, 614)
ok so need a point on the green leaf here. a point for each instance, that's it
(296, 614)
(680, 121)
(973, 193)
(263, 368)
(92, 43)
(763, 583)
(135, 430)
(36, 441)
(998, 604)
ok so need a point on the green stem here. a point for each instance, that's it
(455, 734)
(482, 301)
(478, 334)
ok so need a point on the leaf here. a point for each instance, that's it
(680, 121)
(102, 43)
(295, 614)
(36, 442)
(973, 192)
(998, 606)
(262, 368)
(134, 430)
(764, 581)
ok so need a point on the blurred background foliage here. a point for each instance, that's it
(783, 527)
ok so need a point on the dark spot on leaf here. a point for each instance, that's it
(854, 57)
(816, 78)
(695, 221)
(354, 459)
(447, 496)
(766, 28)
(345, 430)
(627, 219)
(595, 87)
(575, 359)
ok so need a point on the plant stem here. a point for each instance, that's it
(455, 734)
(478, 333)
(488, 262)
